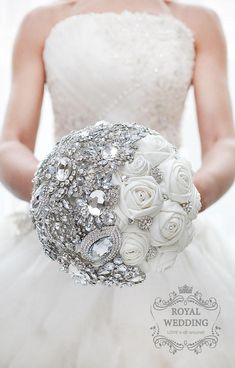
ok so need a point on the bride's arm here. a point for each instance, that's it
(17, 140)
(215, 120)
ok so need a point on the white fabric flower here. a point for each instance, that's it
(138, 167)
(155, 149)
(171, 227)
(135, 245)
(177, 179)
(140, 196)
(167, 256)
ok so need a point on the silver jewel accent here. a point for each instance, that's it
(145, 223)
(156, 173)
(152, 253)
(109, 151)
(64, 169)
(187, 206)
(100, 246)
(131, 221)
(96, 202)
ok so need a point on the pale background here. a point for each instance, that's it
(11, 13)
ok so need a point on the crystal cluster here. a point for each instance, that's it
(72, 205)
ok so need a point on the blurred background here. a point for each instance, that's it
(11, 13)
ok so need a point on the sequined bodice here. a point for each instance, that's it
(129, 66)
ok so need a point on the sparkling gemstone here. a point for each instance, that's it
(152, 253)
(96, 202)
(107, 181)
(122, 268)
(84, 134)
(138, 278)
(102, 123)
(80, 202)
(101, 248)
(107, 178)
(90, 151)
(64, 169)
(66, 204)
(64, 218)
(79, 180)
(109, 151)
(145, 223)
(79, 276)
(103, 272)
(108, 218)
(109, 266)
(157, 174)
(118, 260)
(36, 206)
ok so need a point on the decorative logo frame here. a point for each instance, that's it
(194, 304)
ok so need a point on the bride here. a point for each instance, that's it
(118, 61)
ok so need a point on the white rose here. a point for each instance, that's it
(177, 179)
(135, 245)
(140, 196)
(138, 167)
(171, 227)
(155, 149)
(167, 255)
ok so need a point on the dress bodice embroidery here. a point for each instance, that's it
(129, 66)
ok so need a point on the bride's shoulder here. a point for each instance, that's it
(204, 21)
(36, 24)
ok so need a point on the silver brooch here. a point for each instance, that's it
(73, 202)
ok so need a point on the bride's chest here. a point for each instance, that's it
(111, 52)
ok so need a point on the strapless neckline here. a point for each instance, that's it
(128, 66)
(121, 15)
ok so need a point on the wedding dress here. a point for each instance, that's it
(129, 66)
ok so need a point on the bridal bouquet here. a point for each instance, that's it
(113, 202)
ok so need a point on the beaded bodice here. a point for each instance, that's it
(129, 66)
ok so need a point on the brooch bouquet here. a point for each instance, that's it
(113, 202)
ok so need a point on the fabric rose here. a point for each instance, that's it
(171, 229)
(135, 245)
(140, 196)
(177, 180)
(155, 149)
(138, 167)
(166, 257)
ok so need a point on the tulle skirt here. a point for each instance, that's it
(46, 320)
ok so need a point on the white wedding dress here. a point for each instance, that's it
(129, 66)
